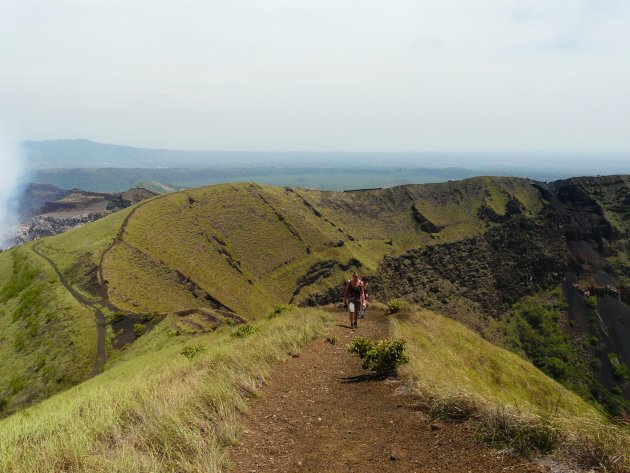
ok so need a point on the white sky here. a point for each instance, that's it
(362, 75)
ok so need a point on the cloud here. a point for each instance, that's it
(12, 175)
(320, 74)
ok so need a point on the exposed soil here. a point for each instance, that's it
(322, 412)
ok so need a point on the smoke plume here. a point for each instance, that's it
(12, 175)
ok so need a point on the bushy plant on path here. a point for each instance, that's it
(382, 356)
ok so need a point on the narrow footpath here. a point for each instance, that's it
(321, 412)
(101, 355)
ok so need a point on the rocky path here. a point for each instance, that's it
(320, 412)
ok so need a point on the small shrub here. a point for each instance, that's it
(191, 351)
(3, 403)
(524, 434)
(280, 309)
(17, 383)
(19, 342)
(591, 301)
(244, 331)
(382, 356)
(138, 329)
(619, 370)
(116, 317)
(393, 306)
(151, 317)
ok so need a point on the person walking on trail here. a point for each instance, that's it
(366, 296)
(353, 298)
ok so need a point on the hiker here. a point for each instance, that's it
(354, 298)
(366, 296)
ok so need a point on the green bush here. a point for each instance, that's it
(592, 302)
(619, 370)
(138, 329)
(191, 351)
(393, 306)
(541, 337)
(19, 342)
(244, 331)
(280, 309)
(382, 356)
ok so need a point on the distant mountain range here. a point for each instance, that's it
(546, 166)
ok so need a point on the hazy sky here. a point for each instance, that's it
(399, 75)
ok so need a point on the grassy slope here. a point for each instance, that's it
(247, 245)
(154, 409)
(460, 374)
(47, 339)
(448, 359)
(79, 251)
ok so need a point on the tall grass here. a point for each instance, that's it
(512, 403)
(161, 411)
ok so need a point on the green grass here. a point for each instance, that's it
(247, 245)
(513, 403)
(79, 251)
(158, 409)
(47, 339)
(536, 327)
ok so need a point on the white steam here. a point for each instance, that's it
(12, 175)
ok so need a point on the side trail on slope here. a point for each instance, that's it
(322, 412)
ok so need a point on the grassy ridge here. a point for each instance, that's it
(155, 409)
(77, 253)
(248, 245)
(461, 375)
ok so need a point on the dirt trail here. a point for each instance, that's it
(101, 355)
(320, 412)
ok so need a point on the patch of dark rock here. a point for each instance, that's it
(234, 263)
(507, 263)
(323, 270)
(281, 218)
(423, 222)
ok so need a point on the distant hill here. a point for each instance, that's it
(118, 179)
(45, 210)
(101, 167)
